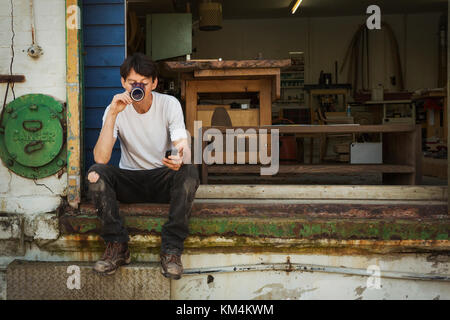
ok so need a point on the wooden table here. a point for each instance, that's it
(401, 153)
(234, 76)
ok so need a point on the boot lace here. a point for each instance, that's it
(112, 250)
(173, 258)
(108, 251)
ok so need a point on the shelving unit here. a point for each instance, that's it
(292, 94)
(396, 111)
(402, 158)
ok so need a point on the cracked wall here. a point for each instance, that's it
(45, 75)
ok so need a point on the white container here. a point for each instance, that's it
(366, 153)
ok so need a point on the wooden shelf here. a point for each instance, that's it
(402, 160)
(341, 128)
(316, 168)
(290, 101)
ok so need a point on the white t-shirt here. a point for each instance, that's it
(144, 138)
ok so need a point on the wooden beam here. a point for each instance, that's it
(328, 168)
(4, 78)
(434, 167)
(403, 148)
(269, 72)
(345, 128)
(272, 73)
(188, 66)
(191, 105)
(207, 86)
(265, 103)
(73, 89)
(425, 193)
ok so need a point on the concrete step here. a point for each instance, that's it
(29, 280)
(280, 220)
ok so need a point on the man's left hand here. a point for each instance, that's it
(174, 162)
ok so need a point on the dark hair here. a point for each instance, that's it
(141, 64)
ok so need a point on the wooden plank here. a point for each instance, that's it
(74, 104)
(403, 148)
(425, 193)
(207, 86)
(110, 56)
(191, 105)
(188, 66)
(104, 35)
(328, 168)
(183, 89)
(96, 13)
(104, 77)
(265, 103)
(274, 74)
(260, 72)
(276, 86)
(238, 117)
(344, 128)
(213, 106)
(434, 167)
(4, 78)
(204, 167)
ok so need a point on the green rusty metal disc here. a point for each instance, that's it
(32, 136)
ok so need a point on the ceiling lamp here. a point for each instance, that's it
(296, 5)
(210, 13)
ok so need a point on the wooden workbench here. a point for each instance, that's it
(234, 76)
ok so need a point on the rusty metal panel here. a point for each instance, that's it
(27, 280)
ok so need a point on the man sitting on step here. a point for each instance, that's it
(146, 130)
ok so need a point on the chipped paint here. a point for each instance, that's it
(292, 227)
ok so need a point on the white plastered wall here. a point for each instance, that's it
(45, 75)
(324, 40)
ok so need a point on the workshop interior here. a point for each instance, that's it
(348, 98)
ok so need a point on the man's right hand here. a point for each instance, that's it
(120, 101)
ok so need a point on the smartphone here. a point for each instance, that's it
(171, 152)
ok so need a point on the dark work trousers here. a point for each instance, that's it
(160, 185)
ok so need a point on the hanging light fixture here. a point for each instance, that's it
(296, 5)
(210, 13)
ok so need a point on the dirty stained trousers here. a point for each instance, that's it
(160, 185)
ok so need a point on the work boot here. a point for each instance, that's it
(116, 255)
(171, 266)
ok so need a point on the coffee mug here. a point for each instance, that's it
(137, 92)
